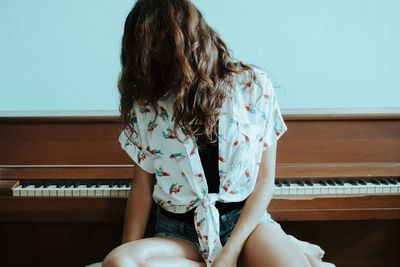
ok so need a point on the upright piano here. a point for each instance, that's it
(64, 181)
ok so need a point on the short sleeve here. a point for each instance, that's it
(136, 149)
(274, 126)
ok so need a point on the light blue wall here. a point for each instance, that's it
(64, 54)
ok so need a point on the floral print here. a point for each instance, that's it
(250, 121)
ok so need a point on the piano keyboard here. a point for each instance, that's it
(338, 187)
(71, 188)
(283, 188)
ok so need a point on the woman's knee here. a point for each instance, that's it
(113, 260)
(268, 243)
(124, 257)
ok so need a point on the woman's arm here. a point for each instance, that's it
(138, 205)
(255, 204)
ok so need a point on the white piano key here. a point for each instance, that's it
(98, 192)
(30, 190)
(301, 191)
(332, 189)
(378, 189)
(45, 192)
(285, 190)
(16, 192)
(114, 192)
(121, 192)
(383, 186)
(106, 190)
(363, 189)
(39, 191)
(371, 188)
(308, 190)
(106, 193)
(53, 190)
(83, 190)
(339, 190)
(90, 192)
(68, 192)
(355, 190)
(386, 188)
(348, 188)
(24, 192)
(75, 192)
(324, 190)
(394, 189)
(277, 191)
(316, 190)
(61, 191)
(126, 190)
(293, 189)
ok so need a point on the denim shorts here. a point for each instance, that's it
(171, 227)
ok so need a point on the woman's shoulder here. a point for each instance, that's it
(253, 76)
(251, 84)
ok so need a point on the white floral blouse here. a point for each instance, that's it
(250, 121)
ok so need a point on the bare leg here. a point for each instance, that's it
(313, 252)
(141, 252)
(173, 262)
(309, 248)
(269, 245)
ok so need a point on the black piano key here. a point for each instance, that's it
(25, 184)
(60, 184)
(392, 181)
(383, 181)
(39, 184)
(361, 182)
(338, 182)
(76, 184)
(277, 183)
(321, 182)
(309, 183)
(286, 183)
(331, 183)
(300, 183)
(374, 181)
(352, 182)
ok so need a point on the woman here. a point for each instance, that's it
(202, 131)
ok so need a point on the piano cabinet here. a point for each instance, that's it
(68, 231)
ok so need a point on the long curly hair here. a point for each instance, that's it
(167, 47)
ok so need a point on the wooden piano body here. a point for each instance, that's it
(75, 231)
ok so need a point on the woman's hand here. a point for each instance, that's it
(226, 258)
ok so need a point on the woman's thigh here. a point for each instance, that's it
(136, 252)
(268, 245)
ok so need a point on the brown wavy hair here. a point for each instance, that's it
(167, 46)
